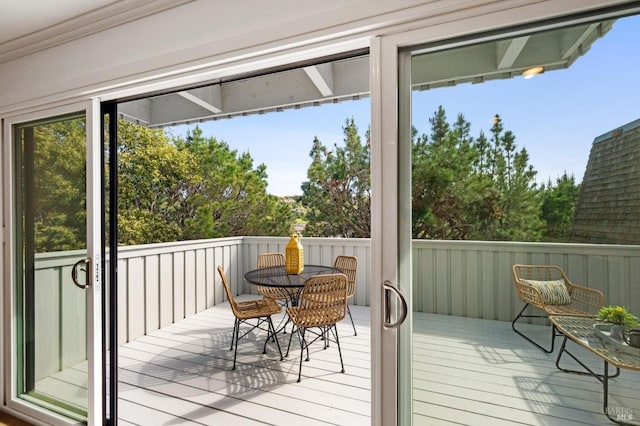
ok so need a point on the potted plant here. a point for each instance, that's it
(620, 318)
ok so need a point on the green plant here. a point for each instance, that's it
(617, 315)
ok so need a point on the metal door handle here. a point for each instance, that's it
(74, 273)
(388, 289)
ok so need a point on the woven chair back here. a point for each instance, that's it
(227, 290)
(323, 300)
(267, 260)
(349, 266)
(539, 273)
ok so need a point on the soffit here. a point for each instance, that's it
(348, 78)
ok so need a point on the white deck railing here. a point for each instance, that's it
(159, 284)
(473, 278)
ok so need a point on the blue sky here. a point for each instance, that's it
(555, 116)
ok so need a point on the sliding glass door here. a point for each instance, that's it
(56, 264)
(433, 179)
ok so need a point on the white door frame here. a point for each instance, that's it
(16, 405)
(390, 231)
(383, 240)
(94, 252)
(391, 178)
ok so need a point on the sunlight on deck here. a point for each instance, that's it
(466, 371)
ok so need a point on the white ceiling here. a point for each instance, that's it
(28, 26)
(21, 17)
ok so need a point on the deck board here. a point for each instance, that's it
(190, 362)
(466, 371)
(481, 367)
(68, 385)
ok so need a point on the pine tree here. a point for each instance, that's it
(337, 193)
(558, 207)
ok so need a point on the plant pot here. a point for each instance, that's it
(617, 332)
(605, 334)
(633, 338)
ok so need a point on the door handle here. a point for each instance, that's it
(388, 289)
(74, 273)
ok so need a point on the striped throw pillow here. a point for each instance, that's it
(553, 292)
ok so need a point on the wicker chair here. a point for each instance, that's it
(260, 310)
(349, 266)
(548, 288)
(323, 303)
(268, 260)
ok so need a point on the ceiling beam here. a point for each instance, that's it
(511, 52)
(322, 77)
(208, 98)
(577, 44)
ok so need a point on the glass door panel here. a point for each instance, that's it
(54, 257)
(473, 155)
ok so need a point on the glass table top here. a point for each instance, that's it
(582, 331)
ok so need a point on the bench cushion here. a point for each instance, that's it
(553, 292)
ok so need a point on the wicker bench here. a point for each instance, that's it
(548, 288)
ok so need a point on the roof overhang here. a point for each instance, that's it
(348, 78)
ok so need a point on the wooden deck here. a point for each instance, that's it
(477, 372)
(466, 371)
(182, 375)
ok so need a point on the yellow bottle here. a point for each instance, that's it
(294, 255)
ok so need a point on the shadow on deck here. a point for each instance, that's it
(465, 371)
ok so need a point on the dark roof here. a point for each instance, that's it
(608, 209)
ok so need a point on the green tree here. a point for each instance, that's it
(519, 204)
(558, 207)
(337, 194)
(472, 189)
(481, 163)
(230, 196)
(173, 188)
(441, 168)
(59, 156)
(454, 196)
(154, 177)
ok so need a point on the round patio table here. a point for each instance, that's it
(276, 276)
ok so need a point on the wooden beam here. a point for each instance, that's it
(512, 52)
(322, 77)
(204, 97)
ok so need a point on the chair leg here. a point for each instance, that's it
(237, 334)
(293, 329)
(233, 334)
(284, 303)
(272, 333)
(302, 345)
(325, 336)
(335, 334)
(553, 330)
(355, 333)
(306, 345)
(269, 336)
